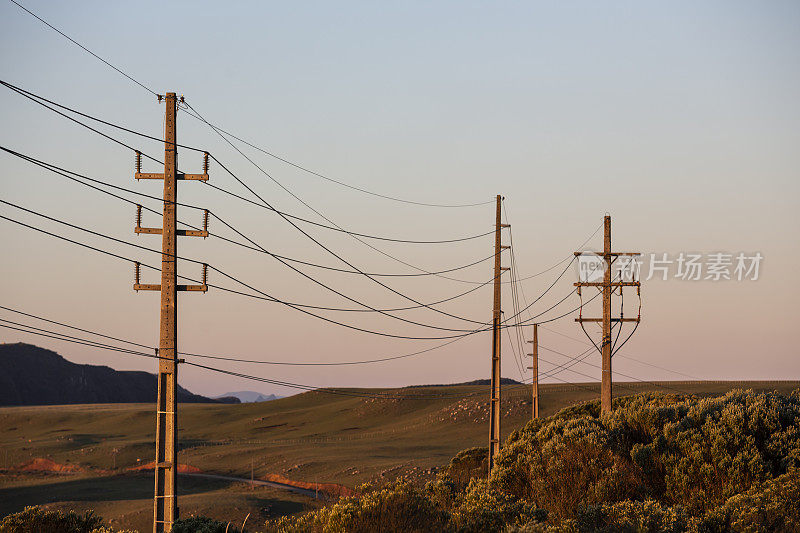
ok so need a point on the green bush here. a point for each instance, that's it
(202, 524)
(656, 463)
(770, 506)
(695, 453)
(466, 465)
(399, 507)
(37, 520)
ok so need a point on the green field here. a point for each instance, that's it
(312, 437)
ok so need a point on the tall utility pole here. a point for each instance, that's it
(608, 288)
(165, 501)
(535, 368)
(494, 402)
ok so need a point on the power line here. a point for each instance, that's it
(337, 256)
(286, 217)
(73, 41)
(76, 328)
(36, 98)
(261, 295)
(92, 344)
(75, 175)
(96, 344)
(131, 78)
(85, 343)
(321, 245)
(628, 356)
(44, 101)
(197, 116)
(616, 371)
(98, 234)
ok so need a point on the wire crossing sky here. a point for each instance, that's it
(341, 133)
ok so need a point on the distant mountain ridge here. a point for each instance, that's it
(249, 396)
(30, 375)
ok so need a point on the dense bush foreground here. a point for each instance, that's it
(657, 463)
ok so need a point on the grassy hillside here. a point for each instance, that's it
(314, 437)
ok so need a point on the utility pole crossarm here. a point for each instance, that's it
(612, 254)
(178, 176)
(138, 229)
(581, 319)
(603, 284)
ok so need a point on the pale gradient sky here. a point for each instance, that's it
(681, 119)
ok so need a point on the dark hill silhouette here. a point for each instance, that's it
(30, 375)
(503, 381)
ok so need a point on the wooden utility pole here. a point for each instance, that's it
(608, 287)
(165, 502)
(535, 368)
(494, 401)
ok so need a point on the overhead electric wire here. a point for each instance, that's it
(72, 175)
(84, 343)
(332, 180)
(233, 278)
(307, 235)
(355, 236)
(518, 354)
(320, 244)
(96, 344)
(628, 356)
(216, 128)
(617, 372)
(41, 101)
(234, 359)
(131, 78)
(279, 258)
(73, 41)
(75, 327)
(33, 97)
(261, 295)
(339, 391)
(63, 172)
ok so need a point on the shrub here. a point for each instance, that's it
(37, 520)
(202, 524)
(695, 453)
(656, 463)
(770, 506)
(398, 507)
(467, 465)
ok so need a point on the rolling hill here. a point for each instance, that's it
(30, 375)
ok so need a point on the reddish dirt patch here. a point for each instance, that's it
(182, 468)
(41, 464)
(328, 488)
